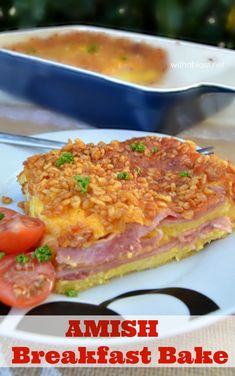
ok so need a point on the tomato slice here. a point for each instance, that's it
(19, 233)
(25, 285)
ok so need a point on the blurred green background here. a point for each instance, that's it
(206, 21)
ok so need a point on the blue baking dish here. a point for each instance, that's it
(200, 80)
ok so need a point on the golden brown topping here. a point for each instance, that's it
(6, 200)
(123, 185)
(21, 205)
(117, 57)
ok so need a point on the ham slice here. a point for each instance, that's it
(221, 223)
(115, 253)
(115, 246)
(197, 215)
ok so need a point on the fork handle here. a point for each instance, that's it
(20, 140)
(16, 139)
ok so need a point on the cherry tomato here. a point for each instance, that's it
(19, 233)
(25, 284)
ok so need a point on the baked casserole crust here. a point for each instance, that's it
(146, 201)
(118, 57)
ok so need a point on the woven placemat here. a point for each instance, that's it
(118, 372)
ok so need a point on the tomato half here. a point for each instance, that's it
(19, 233)
(25, 285)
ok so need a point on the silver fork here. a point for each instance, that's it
(206, 151)
(20, 140)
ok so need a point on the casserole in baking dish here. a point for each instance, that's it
(189, 90)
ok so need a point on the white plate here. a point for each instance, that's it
(210, 272)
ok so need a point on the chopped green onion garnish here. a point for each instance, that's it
(31, 50)
(92, 48)
(123, 175)
(124, 57)
(71, 293)
(2, 216)
(138, 170)
(2, 254)
(64, 158)
(138, 146)
(42, 253)
(22, 258)
(83, 182)
(154, 149)
(184, 174)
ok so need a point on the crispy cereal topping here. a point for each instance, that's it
(129, 181)
(6, 200)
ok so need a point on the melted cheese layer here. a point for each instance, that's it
(63, 224)
(176, 253)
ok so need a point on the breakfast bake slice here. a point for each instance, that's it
(115, 208)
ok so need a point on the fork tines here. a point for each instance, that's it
(207, 150)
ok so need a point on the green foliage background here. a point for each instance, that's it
(206, 21)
